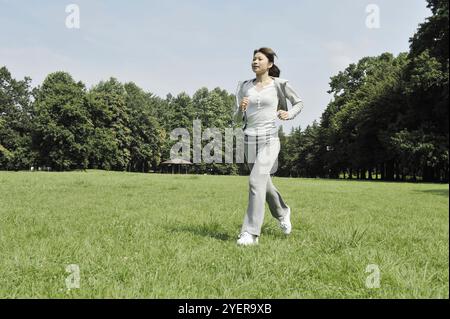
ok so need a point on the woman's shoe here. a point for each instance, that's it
(246, 239)
(285, 222)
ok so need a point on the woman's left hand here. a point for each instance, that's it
(283, 115)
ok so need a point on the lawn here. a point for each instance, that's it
(135, 235)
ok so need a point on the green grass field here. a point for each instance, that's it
(174, 236)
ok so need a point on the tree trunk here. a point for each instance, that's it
(390, 171)
(427, 174)
(363, 174)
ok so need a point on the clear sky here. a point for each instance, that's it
(174, 46)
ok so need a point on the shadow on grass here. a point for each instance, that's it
(441, 192)
(214, 230)
(211, 230)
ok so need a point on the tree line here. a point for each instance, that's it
(387, 120)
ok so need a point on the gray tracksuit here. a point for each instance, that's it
(262, 146)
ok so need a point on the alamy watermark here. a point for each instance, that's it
(373, 17)
(374, 278)
(73, 17)
(73, 280)
(261, 149)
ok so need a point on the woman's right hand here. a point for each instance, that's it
(244, 103)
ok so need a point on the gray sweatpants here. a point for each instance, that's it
(261, 155)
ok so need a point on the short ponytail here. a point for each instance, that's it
(274, 71)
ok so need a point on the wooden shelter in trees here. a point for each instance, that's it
(177, 162)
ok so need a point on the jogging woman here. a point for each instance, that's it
(259, 101)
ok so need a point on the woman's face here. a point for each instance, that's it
(260, 63)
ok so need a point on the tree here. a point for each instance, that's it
(427, 86)
(61, 122)
(147, 134)
(15, 122)
(110, 142)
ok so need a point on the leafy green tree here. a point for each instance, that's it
(110, 142)
(426, 87)
(147, 134)
(61, 122)
(15, 122)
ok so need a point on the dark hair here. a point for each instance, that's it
(270, 54)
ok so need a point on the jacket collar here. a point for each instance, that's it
(276, 79)
(280, 84)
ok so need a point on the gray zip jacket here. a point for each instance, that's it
(284, 91)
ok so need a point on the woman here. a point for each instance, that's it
(258, 103)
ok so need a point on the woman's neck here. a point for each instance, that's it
(263, 78)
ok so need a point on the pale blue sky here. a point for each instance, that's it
(173, 46)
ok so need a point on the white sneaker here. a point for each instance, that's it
(246, 239)
(285, 222)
